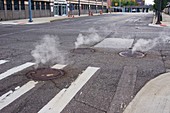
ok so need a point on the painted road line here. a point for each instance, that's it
(58, 103)
(52, 102)
(3, 61)
(6, 94)
(16, 94)
(15, 70)
(58, 66)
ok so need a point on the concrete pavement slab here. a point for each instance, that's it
(116, 43)
(125, 90)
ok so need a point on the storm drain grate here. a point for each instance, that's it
(83, 50)
(44, 74)
(129, 53)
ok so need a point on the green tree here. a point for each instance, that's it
(163, 4)
(124, 2)
(159, 5)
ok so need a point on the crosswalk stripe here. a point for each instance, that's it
(58, 103)
(15, 70)
(58, 66)
(16, 94)
(11, 96)
(3, 61)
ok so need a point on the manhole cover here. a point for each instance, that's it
(43, 74)
(83, 50)
(129, 53)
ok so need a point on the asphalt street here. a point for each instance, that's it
(109, 89)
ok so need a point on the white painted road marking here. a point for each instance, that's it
(3, 61)
(58, 103)
(15, 70)
(11, 96)
(16, 94)
(58, 66)
(52, 102)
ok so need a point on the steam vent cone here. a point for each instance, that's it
(128, 53)
(44, 74)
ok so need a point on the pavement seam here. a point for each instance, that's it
(163, 60)
(90, 105)
(56, 86)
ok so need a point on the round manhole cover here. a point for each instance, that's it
(43, 74)
(83, 50)
(135, 54)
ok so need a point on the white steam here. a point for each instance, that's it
(47, 51)
(145, 45)
(89, 39)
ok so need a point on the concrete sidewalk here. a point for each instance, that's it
(154, 97)
(165, 22)
(42, 20)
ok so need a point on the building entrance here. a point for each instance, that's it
(60, 9)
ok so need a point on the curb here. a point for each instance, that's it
(72, 18)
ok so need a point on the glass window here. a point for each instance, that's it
(32, 5)
(48, 5)
(22, 5)
(16, 4)
(37, 5)
(1, 4)
(9, 4)
(43, 5)
(99, 7)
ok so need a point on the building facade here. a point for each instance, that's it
(18, 9)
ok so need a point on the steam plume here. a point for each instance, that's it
(47, 51)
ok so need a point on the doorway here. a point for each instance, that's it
(60, 9)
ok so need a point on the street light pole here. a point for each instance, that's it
(79, 6)
(159, 11)
(30, 11)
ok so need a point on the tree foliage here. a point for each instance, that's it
(157, 4)
(124, 2)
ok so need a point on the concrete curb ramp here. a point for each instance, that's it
(154, 97)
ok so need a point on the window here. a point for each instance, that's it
(9, 4)
(48, 5)
(32, 5)
(37, 5)
(22, 5)
(99, 7)
(43, 5)
(1, 4)
(92, 7)
(16, 4)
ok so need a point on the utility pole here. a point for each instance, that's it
(30, 11)
(159, 11)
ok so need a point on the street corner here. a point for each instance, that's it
(153, 97)
(158, 25)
